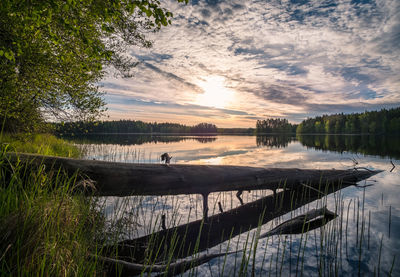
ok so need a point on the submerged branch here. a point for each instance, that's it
(313, 219)
(126, 268)
(392, 165)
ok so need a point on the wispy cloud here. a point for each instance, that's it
(282, 58)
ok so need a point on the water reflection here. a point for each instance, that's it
(135, 139)
(361, 232)
(382, 146)
(274, 141)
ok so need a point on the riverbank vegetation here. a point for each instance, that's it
(46, 227)
(43, 144)
(51, 61)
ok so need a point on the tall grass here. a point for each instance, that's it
(46, 228)
(44, 144)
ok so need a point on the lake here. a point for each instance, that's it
(364, 239)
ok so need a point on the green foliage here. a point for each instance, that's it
(45, 230)
(373, 122)
(274, 125)
(43, 144)
(204, 128)
(53, 52)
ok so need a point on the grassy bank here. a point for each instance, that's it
(44, 144)
(45, 229)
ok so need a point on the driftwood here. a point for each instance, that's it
(122, 179)
(124, 268)
(311, 220)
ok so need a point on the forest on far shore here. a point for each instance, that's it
(369, 122)
(132, 126)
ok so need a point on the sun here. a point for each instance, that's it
(215, 93)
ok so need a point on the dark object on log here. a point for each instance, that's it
(303, 223)
(123, 179)
(165, 157)
(124, 268)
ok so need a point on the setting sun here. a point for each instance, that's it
(215, 93)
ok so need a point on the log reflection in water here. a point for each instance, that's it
(180, 240)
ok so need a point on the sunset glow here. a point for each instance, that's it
(215, 93)
(232, 62)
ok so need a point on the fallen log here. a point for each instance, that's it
(122, 179)
(311, 220)
(120, 267)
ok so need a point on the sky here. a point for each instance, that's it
(231, 63)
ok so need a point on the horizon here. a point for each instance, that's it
(248, 127)
(233, 63)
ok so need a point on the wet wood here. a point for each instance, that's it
(308, 221)
(122, 179)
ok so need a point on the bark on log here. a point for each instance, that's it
(122, 179)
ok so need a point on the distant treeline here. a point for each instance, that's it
(137, 126)
(132, 126)
(275, 125)
(129, 139)
(374, 122)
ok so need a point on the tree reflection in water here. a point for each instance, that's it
(136, 139)
(382, 146)
(275, 141)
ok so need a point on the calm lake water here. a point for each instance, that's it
(363, 240)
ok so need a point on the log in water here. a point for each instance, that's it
(122, 179)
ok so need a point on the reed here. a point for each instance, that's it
(46, 226)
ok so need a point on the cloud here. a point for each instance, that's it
(126, 107)
(171, 76)
(291, 58)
